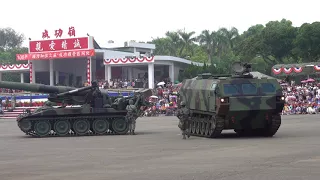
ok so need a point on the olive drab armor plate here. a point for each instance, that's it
(238, 101)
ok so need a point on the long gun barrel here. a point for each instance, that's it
(77, 94)
(41, 88)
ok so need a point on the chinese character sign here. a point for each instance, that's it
(56, 55)
(45, 34)
(59, 44)
(38, 47)
(58, 33)
(72, 31)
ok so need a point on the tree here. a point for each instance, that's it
(278, 38)
(9, 39)
(174, 42)
(162, 46)
(307, 42)
(206, 40)
(274, 42)
(263, 45)
(187, 39)
(230, 35)
(199, 55)
(10, 45)
(250, 43)
(9, 56)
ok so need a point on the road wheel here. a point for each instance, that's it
(100, 126)
(25, 125)
(62, 127)
(81, 127)
(42, 128)
(120, 126)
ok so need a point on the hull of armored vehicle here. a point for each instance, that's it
(249, 106)
(76, 121)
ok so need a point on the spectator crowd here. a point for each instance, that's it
(301, 99)
(164, 100)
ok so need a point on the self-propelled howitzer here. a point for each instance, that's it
(94, 115)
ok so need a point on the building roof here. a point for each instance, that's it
(148, 46)
(121, 49)
(96, 45)
(158, 58)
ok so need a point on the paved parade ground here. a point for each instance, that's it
(157, 152)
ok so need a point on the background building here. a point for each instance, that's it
(73, 61)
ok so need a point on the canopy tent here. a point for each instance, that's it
(296, 69)
(309, 80)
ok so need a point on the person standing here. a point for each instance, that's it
(184, 114)
(13, 101)
(6, 105)
(132, 115)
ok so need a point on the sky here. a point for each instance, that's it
(142, 20)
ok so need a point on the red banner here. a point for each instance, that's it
(59, 45)
(56, 55)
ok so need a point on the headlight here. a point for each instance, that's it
(280, 98)
(224, 100)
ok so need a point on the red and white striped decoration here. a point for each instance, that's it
(276, 70)
(317, 67)
(30, 71)
(128, 60)
(287, 70)
(14, 67)
(88, 70)
(297, 69)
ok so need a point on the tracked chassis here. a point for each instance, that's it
(74, 124)
(212, 126)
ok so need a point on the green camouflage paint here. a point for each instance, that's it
(209, 105)
(198, 94)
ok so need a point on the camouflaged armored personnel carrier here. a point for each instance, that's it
(248, 105)
(92, 111)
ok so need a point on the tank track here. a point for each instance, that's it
(209, 127)
(273, 127)
(270, 130)
(91, 132)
